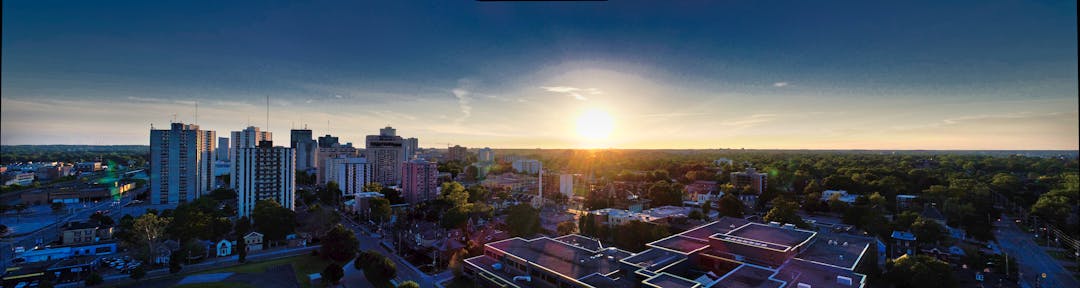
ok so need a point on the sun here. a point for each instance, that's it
(595, 125)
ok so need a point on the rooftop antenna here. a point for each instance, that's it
(196, 112)
(267, 112)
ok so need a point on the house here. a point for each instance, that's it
(903, 243)
(84, 232)
(164, 251)
(841, 195)
(224, 248)
(254, 241)
(298, 240)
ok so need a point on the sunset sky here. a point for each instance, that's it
(734, 74)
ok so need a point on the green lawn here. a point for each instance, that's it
(302, 266)
(216, 285)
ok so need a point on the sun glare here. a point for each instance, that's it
(595, 125)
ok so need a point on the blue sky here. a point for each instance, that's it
(754, 74)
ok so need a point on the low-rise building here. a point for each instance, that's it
(731, 252)
(254, 241)
(74, 233)
(840, 195)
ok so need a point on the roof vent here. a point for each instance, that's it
(774, 224)
(804, 285)
(843, 280)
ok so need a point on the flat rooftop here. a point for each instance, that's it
(568, 260)
(799, 271)
(581, 241)
(653, 259)
(748, 276)
(837, 249)
(671, 281)
(788, 237)
(724, 225)
(682, 244)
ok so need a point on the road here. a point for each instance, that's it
(1033, 259)
(405, 270)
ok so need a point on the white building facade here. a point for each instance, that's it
(265, 172)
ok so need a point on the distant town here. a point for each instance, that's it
(198, 208)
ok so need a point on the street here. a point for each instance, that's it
(405, 271)
(1033, 259)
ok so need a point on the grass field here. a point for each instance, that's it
(302, 266)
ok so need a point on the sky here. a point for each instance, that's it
(667, 74)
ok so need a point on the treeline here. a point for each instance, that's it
(121, 154)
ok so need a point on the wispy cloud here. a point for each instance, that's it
(780, 84)
(750, 121)
(464, 99)
(577, 93)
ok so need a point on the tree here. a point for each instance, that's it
(223, 194)
(927, 231)
(102, 219)
(333, 273)
(813, 187)
(706, 208)
(523, 220)
(783, 211)
(408, 284)
(380, 209)
(149, 228)
(57, 207)
(567, 228)
(812, 202)
(138, 273)
(454, 193)
(731, 206)
(695, 214)
(94, 279)
(663, 193)
(471, 173)
(908, 271)
(4, 230)
(340, 244)
(373, 187)
(378, 269)
(175, 261)
(242, 227)
(330, 194)
(272, 220)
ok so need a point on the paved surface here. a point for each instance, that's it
(1033, 259)
(405, 270)
(203, 278)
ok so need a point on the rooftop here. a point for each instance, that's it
(839, 250)
(799, 271)
(779, 236)
(671, 281)
(682, 244)
(565, 259)
(581, 241)
(721, 226)
(748, 276)
(903, 235)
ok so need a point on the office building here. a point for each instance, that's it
(351, 174)
(419, 180)
(306, 149)
(265, 172)
(386, 152)
(566, 185)
(328, 141)
(527, 166)
(457, 153)
(181, 168)
(730, 252)
(222, 153)
(485, 155)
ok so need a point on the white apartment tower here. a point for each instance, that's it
(386, 152)
(264, 172)
(181, 163)
(250, 137)
(351, 174)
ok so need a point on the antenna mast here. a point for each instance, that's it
(267, 112)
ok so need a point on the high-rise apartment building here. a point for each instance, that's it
(248, 138)
(330, 148)
(752, 179)
(419, 180)
(386, 152)
(351, 174)
(485, 155)
(222, 153)
(527, 166)
(306, 149)
(264, 172)
(457, 153)
(412, 147)
(181, 168)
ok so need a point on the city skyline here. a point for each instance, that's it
(950, 76)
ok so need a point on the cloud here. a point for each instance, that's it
(577, 93)
(750, 121)
(780, 84)
(464, 99)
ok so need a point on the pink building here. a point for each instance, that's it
(419, 180)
